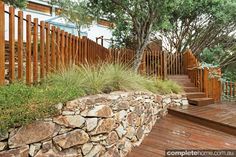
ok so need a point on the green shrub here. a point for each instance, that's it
(20, 104)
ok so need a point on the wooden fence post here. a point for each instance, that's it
(220, 90)
(47, 47)
(35, 51)
(69, 49)
(2, 43)
(63, 48)
(66, 50)
(235, 89)
(226, 88)
(85, 47)
(205, 80)
(53, 55)
(42, 42)
(28, 49)
(11, 44)
(20, 45)
(76, 50)
(58, 48)
(164, 66)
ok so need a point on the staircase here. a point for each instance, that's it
(194, 96)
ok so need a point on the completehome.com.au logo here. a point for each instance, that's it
(200, 153)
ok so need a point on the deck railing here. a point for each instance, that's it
(41, 50)
(229, 90)
(206, 79)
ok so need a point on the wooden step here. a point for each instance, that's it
(196, 118)
(178, 77)
(186, 84)
(201, 101)
(191, 95)
(181, 81)
(190, 89)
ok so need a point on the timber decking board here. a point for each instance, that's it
(172, 132)
(222, 113)
(221, 117)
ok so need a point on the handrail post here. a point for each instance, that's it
(2, 43)
(205, 81)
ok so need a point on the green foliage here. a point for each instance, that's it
(230, 75)
(16, 3)
(201, 24)
(75, 12)
(218, 56)
(21, 104)
(212, 55)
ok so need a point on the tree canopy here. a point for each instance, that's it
(16, 3)
(75, 12)
(201, 24)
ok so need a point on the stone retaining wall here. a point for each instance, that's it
(107, 125)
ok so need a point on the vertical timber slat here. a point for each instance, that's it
(20, 45)
(2, 44)
(47, 47)
(53, 55)
(28, 49)
(42, 53)
(62, 48)
(35, 51)
(11, 44)
(58, 49)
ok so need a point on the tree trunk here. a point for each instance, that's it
(138, 59)
(79, 30)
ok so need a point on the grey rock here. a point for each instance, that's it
(32, 133)
(34, 148)
(86, 148)
(71, 139)
(91, 123)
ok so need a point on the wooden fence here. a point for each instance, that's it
(175, 64)
(153, 62)
(46, 48)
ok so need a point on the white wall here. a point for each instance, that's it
(98, 30)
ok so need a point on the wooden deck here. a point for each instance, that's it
(173, 132)
(217, 116)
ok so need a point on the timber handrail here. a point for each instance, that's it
(202, 78)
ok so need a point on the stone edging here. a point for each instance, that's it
(100, 125)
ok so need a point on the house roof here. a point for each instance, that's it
(60, 21)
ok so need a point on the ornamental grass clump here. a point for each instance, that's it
(21, 104)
